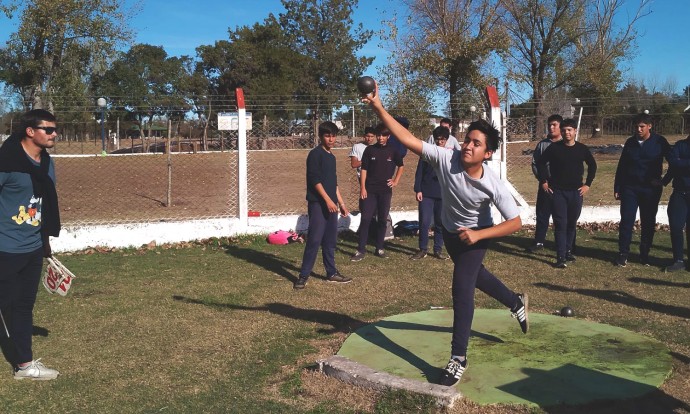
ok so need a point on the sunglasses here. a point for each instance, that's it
(48, 130)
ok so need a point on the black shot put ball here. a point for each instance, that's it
(567, 311)
(366, 85)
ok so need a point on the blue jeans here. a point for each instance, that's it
(566, 206)
(469, 273)
(678, 217)
(323, 232)
(430, 208)
(19, 277)
(647, 200)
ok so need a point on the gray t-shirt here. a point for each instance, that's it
(20, 212)
(357, 151)
(467, 201)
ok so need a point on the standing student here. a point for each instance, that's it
(29, 215)
(469, 189)
(679, 204)
(561, 171)
(323, 203)
(451, 142)
(369, 138)
(382, 167)
(428, 193)
(638, 185)
(543, 205)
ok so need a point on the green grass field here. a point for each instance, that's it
(216, 327)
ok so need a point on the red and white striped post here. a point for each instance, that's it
(242, 161)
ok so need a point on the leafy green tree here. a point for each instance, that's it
(144, 83)
(40, 59)
(323, 33)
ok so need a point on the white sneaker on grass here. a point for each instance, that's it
(36, 371)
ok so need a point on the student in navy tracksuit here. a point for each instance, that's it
(377, 179)
(543, 204)
(638, 185)
(323, 203)
(560, 172)
(428, 193)
(679, 204)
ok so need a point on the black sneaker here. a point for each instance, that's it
(419, 255)
(644, 259)
(338, 278)
(676, 266)
(381, 253)
(622, 260)
(570, 257)
(301, 282)
(561, 263)
(520, 312)
(453, 372)
(535, 248)
(357, 257)
(440, 255)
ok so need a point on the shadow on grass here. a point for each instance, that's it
(617, 296)
(7, 346)
(350, 240)
(657, 282)
(346, 324)
(549, 389)
(264, 260)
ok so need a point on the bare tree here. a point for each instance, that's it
(449, 42)
(574, 43)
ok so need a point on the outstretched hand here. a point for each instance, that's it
(372, 98)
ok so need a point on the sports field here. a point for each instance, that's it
(216, 327)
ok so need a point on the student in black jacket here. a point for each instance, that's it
(679, 204)
(560, 173)
(638, 185)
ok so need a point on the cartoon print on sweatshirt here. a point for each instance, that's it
(31, 214)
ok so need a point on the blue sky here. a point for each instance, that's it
(182, 25)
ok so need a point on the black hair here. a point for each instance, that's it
(493, 137)
(643, 118)
(369, 130)
(327, 127)
(446, 121)
(441, 132)
(33, 118)
(555, 117)
(382, 130)
(403, 121)
(569, 122)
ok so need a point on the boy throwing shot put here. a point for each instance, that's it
(469, 189)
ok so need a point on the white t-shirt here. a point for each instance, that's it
(451, 142)
(357, 151)
(467, 201)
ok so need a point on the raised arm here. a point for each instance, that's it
(404, 136)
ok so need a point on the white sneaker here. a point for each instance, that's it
(36, 371)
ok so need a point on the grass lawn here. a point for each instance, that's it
(216, 327)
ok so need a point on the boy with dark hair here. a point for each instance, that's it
(638, 185)
(428, 193)
(543, 205)
(369, 138)
(379, 162)
(469, 189)
(560, 173)
(29, 215)
(322, 196)
(451, 142)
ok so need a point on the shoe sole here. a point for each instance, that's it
(339, 281)
(36, 378)
(356, 259)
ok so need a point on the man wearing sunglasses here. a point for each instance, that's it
(29, 215)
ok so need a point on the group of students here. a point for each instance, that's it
(467, 192)
(557, 162)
